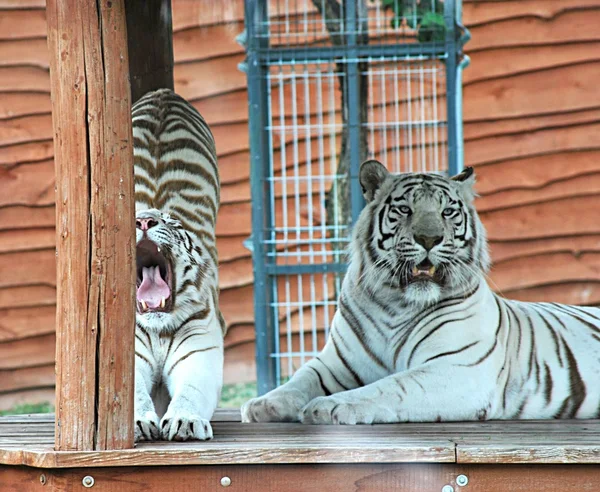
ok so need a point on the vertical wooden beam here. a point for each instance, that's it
(94, 224)
(150, 38)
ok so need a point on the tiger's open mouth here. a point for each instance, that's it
(154, 278)
(424, 271)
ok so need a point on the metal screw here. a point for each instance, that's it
(226, 481)
(88, 481)
(43, 479)
(462, 480)
(447, 488)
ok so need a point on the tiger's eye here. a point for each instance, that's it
(405, 210)
(447, 212)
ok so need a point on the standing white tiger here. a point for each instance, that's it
(179, 327)
(419, 335)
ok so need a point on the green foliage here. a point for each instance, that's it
(29, 408)
(235, 395)
(425, 16)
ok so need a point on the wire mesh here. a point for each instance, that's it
(403, 120)
(311, 22)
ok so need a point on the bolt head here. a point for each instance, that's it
(447, 488)
(88, 481)
(462, 480)
(226, 481)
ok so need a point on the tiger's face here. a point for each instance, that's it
(169, 270)
(423, 236)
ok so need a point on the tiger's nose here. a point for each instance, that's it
(145, 224)
(428, 242)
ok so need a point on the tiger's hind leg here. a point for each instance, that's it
(194, 378)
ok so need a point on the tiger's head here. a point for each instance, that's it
(420, 233)
(169, 268)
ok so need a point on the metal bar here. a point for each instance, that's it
(451, 89)
(306, 269)
(357, 201)
(258, 99)
(351, 53)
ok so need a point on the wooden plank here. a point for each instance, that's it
(26, 23)
(27, 352)
(312, 478)
(18, 103)
(18, 323)
(150, 41)
(95, 217)
(307, 478)
(33, 79)
(26, 296)
(528, 93)
(199, 43)
(502, 62)
(25, 128)
(27, 239)
(24, 52)
(26, 152)
(564, 217)
(27, 378)
(22, 4)
(27, 184)
(17, 268)
(524, 478)
(477, 12)
(569, 138)
(574, 24)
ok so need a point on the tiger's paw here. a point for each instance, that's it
(330, 410)
(282, 407)
(185, 427)
(146, 427)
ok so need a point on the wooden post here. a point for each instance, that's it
(94, 224)
(150, 38)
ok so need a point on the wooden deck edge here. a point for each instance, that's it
(583, 454)
(239, 455)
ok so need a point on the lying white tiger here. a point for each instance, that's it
(179, 327)
(419, 335)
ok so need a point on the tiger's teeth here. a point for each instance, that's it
(415, 271)
(144, 305)
(432, 271)
(162, 303)
(158, 249)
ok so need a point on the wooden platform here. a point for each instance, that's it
(416, 456)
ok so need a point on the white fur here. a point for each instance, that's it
(179, 354)
(454, 351)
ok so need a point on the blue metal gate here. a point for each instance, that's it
(331, 83)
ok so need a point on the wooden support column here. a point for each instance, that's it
(150, 38)
(94, 224)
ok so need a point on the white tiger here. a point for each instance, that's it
(179, 327)
(419, 335)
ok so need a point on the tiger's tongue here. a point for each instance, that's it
(153, 288)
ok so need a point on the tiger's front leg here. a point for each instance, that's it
(145, 418)
(194, 378)
(429, 394)
(320, 376)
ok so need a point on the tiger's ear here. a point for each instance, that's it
(466, 180)
(372, 174)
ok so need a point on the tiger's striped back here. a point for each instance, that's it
(175, 163)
